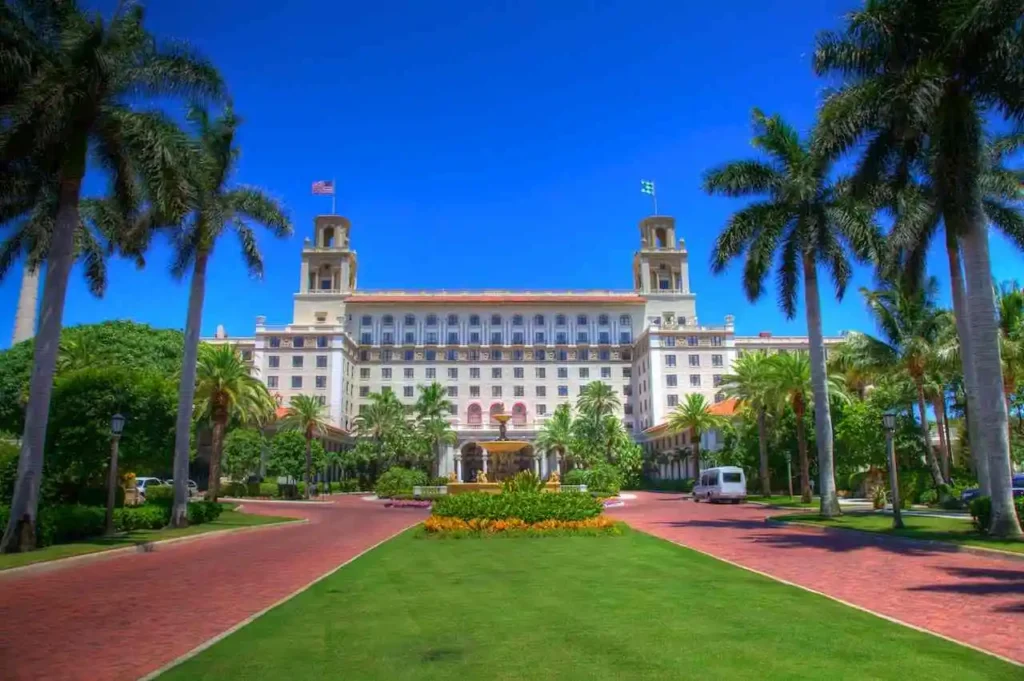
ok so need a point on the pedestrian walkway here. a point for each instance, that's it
(127, 616)
(974, 599)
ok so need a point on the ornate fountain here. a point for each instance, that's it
(501, 461)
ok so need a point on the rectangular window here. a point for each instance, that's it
(364, 391)
(517, 355)
(716, 360)
(408, 355)
(246, 355)
(670, 341)
(474, 355)
(541, 391)
(296, 361)
(387, 338)
(672, 400)
(561, 338)
(366, 320)
(385, 356)
(563, 372)
(321, 361)
(496, 372)
(584, 355)
(716, 380)
(691, 341)
(474, 391)
(584, 372)
(582, 337)
(296, 382)
(582, 388)
(474, 338)
(496, 338)
(627, 409)
(605, 355)
(410, 338)
(271, 381)
(321, 381)
(453, 338)
(430, 355)
(517, 338)
(604, 338)
(517, 372)
(298, 342)
(538, 337)
(386, 390)
(518, 391)
(364, 372)
(321, 341)
(562, 356)
(606, 372)
(409, 372)
(453, 373)
(474, 372)
(431, 338)
(627, 390)
(627, 372)
(453, 391)
(716, 341)
(670, 360)
(563, 391)
(538, 355)
(385, 373)
(541, 409)
(695, 360)
(273, 361)
(275, 341)
(431, 373)
(671, 380)
(540, 372)
(407, 391)
(695, 380)
(495, 391)
(496, 354)
(451, 355)
(366, 338)
(625, 337)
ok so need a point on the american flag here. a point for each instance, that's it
(325, 187)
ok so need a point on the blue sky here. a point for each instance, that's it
(476, 144)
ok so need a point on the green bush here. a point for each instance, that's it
(160, 494)
(349, 485)
(233, 489)
(530, 508)
(577, 476)
(141, 518)
(523, 481)
(9, 453)
(267, 489)
(97, 496)
(397, 480)
(981, 512)
(929, 497)
(252, 489)
(439, 481)
(335, 487)
(203, 512)
(604, 479)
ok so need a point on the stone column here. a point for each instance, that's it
(544, 466)
(536, 465)
(458, 466)
(484, 457)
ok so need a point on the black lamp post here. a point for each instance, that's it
(116, 426)
(889, 423)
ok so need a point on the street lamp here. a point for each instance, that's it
(116, 427)
(889, 423)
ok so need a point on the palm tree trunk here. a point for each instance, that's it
(819, 386)
(949, 439)
(929, 451)
(696, 457)
(28, 299)
(187, 392)
(762, 444)
(940, 426)
(805, 466)
(309, 462)
(984, 332)
(20, 534)
(216, 449)
(960, 314)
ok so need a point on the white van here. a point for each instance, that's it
(720, 484)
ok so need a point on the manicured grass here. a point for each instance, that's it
(784, 501)
(227, 520)
(589, 608)
(952, 530)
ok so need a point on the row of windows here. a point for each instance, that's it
(474, 391)
(496, 372)
(300, 341)
(694, 360)
(274, 361)
(497, 355)
(672, 381)
(474, 319)
(495, 338)
(692, 341)
(296, 382)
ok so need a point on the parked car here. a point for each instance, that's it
(727, 483)
(142, 483)
(969, 495)
(193, 488)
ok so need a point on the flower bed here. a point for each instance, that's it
(407, 503)
(446, 525)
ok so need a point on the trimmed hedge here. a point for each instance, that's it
(160, 494)
(528, 507)
(981, 512)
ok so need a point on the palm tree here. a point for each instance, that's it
(70, 79)
(749, 384)
(216, 207)
(803, 220)
(1010, 304)
(77, 353)
(694, 415)
(432, 409)
(911, 327)
(226, 392)
(557, 432)
(598, 399)
(920, 82)
(382, 422)
(790, 376)
(307, 415)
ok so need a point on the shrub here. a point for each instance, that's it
(604, 479)
(66, 523)
(577, 476)
(981, 512)
(252, 489)
(439, 481)
(929, 496)
(397, 480)
(97, 496)
(233, 489)
(335, 487)
(268, 489)
(160, 494)
(349, 485)
(456, 526)
(203, 512)
(141, 518)
(523, 481)
(530, 508)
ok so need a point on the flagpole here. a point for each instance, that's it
(654, 197)
(334, 195)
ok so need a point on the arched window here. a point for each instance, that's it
(538, 319)
(474, 320)
(328, 238)
(519, 414)
(495, 319)
(625, 320)
(453, 319)
(496, 408)
(660, 237)
(603, 320)
(517, 320)
(410, 320)
(388, 319)
(560, 320)
(474, 415)
(431, 320)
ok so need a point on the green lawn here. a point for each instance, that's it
(589, 608)
(952, 530)
(783, 501)
(227, 520)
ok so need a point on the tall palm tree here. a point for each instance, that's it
(556, 434)
(749, 384)
(598, 399)
(1010, 304)
(70, 81)
(803, 220)
(791, 378)
(911, 327)
(694, 415)
(382, 422)
(920, 79)
(432, 409)
(308, 416)
(216, 207)
(226, 392)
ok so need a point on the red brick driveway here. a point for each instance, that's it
(127, 616)
(975, 599)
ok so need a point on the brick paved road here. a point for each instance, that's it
(127, 616)
(971, 598)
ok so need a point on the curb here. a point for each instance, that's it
(145, 547)
(882, 538)
(254, 500)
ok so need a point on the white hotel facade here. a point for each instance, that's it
(518, 352)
